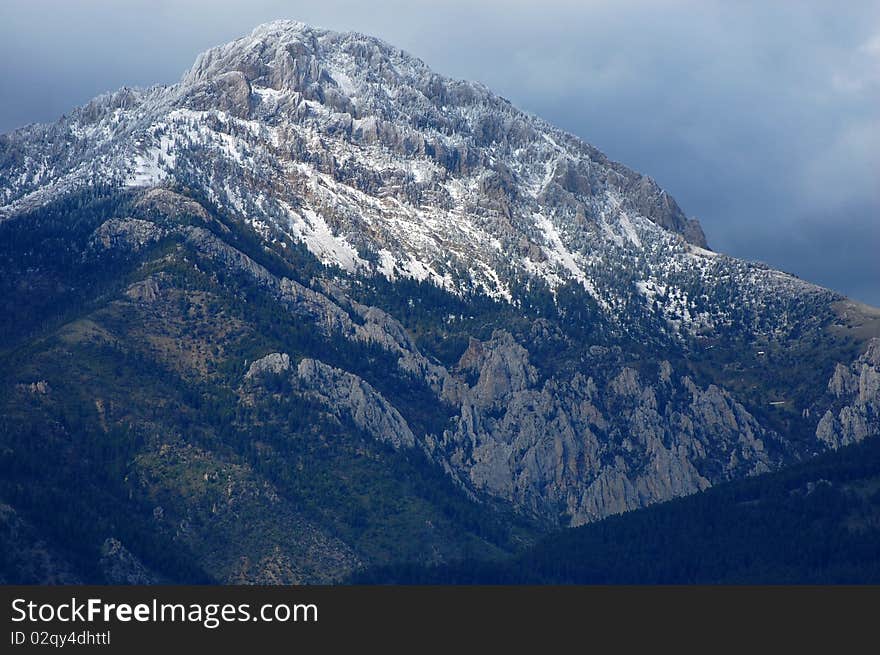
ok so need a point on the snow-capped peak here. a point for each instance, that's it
(381, 166)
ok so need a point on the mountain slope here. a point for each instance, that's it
(815, 523)
(149, 422)
(379, 164)
(316, 307)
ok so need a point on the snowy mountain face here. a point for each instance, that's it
(579, 349)
(383, 167)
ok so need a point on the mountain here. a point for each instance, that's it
(817, 522)
(316, 307)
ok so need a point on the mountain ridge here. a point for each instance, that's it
(206, 67)
(384, 310)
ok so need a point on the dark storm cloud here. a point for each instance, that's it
(761, 118)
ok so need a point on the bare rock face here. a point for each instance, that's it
(573, 448)
(164, 204)
(648, 199)
(579, 448)
(345, 394)
(125, 234)
(229, 92)
(275, 363)
(503, 368)
(145, 291)
(40, 387)
(210, 246)
(856, 389)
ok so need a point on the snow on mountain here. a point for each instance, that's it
(625, 363)
(381, 166)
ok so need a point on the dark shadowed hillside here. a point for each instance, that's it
(815, 523)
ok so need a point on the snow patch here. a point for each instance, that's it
(701, 252)
(343, 81)
(560, 255)
(629, 230)
(310, 227)
(268, 94)
(151, 166)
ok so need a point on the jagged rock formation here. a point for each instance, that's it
(381, 166)
(856, 411)
(126, 234)
(146, 291)
(342, 391)
(328, 260)
(586, 451)
(275, 363)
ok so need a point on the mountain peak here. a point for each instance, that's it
(280, 25)
(160, 248)
(379, 166)
(280, 53)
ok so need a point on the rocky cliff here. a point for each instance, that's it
(317, 306)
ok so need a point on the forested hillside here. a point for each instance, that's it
(815, 523)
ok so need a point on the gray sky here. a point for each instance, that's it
(761, 118)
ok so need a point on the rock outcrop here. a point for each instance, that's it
(145, 291)
(273, 363)
(126, 234)
(856, 391)
(584, 383)
(576, 448)
(351, 397)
